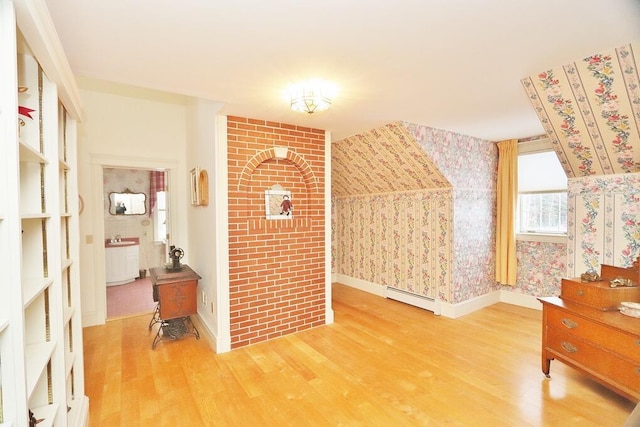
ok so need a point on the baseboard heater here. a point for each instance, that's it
(416, 300)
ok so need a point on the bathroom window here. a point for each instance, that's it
(160, 217)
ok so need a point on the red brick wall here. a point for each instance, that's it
(276, 267)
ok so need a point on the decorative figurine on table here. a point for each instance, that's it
(621, 281)
(589, 276)
(176, 255)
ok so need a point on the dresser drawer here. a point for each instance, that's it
(614, 340)
(605, 365)
(599, 295)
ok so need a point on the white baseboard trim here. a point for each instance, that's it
(363, 285)
(413, 299)
(206, 332)
(454, 311)
(91, 319)
(521, 300)
(449, 310)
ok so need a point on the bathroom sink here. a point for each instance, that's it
(123, 243)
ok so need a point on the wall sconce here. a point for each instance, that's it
(311, 97)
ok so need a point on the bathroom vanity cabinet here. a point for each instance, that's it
(121, 262)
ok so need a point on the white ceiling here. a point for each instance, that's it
(449, 64)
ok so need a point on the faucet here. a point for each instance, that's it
(118, 238)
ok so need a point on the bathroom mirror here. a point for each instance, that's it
(127, 203)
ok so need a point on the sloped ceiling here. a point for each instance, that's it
(384, 160)
(590, 109)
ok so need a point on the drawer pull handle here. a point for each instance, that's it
(580, 293)
(569, 348)
(569, 323)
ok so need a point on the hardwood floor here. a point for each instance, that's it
(382, 363)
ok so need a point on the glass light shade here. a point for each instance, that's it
(310, 97)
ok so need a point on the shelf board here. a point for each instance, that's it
(66, 263)
(32, 288)
(65, 214)
(37, 357)
(29, 154)
(3, 325)
(64, 166)
(69, 360)
(38, 215)
(68, 314)
(46, 413)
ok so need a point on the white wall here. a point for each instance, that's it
(208, 225)
(131, 127)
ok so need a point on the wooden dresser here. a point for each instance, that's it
(603, 344)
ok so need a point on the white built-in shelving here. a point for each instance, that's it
(41, 362)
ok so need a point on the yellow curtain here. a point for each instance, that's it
(507, 197)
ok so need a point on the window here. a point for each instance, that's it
(542, 191)
(160, 217)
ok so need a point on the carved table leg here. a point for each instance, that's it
(156, 316)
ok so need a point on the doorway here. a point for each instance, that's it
(136, 229)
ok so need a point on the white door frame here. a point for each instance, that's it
(98, 163)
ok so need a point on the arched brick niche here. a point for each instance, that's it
(284, 167)
(276, 267)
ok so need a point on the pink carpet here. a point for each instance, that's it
(130, 299)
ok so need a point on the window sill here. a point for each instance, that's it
(539, 237)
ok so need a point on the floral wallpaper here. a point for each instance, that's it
(465, 161)
(398, 222)
(471, 165)
(391, 213)
(402, 240)
(541, 267)
(383, 160)
(603, 222)
(591, 111)
(443, 240)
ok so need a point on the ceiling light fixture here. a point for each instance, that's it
(311, 97)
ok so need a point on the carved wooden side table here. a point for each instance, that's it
(176, 293)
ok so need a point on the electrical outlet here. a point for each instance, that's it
(204, 298)
(211, 308)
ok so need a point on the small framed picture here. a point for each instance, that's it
(195, 190)
(278, 204)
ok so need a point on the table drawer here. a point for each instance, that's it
(608, 366)
(614, 340)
